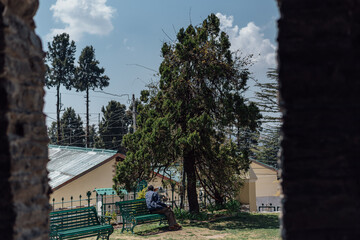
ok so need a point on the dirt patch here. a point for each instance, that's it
(184, 234)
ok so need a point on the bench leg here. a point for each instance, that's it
(127, 229)
(103, 236)
(128, 225)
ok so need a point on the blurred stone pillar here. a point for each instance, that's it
(319, 71)
(24, 186)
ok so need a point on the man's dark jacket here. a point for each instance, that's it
(153, 201)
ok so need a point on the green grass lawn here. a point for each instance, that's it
(262, 226)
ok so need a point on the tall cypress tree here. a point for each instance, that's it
(89, 76)
(60, 69)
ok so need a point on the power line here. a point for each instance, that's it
(82, 95)
(139, 65)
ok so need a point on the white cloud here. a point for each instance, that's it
(249, 40)
(125, 42)
(82, 16)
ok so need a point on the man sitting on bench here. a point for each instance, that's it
(155, 205)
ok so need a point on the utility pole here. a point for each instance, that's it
(87, 118)
(58, 106)
(133, 112)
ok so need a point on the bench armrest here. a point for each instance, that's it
(103, 219)
(54, 230)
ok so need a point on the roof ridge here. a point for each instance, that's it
(266, 165)
(83, 149)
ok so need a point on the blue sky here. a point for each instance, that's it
(126, 34)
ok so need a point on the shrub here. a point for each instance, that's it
(233, 206)
(182, 214)
(217, 207)
(112, 215)
(141, 194)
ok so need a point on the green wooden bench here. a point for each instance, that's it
(79, 223)
(135, 212)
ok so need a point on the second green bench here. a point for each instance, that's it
(135, 212)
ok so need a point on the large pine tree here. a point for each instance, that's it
(200, 95)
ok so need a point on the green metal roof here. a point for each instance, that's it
(82, 149)
(68, 162)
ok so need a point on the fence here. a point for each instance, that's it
(81, 201)
(105, 203)
(269, 208)
(100, 201)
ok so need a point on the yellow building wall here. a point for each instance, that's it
(252, 196)
(267, 183)
(100, 177)
(244, 195)
(247, 195)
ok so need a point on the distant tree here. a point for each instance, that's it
(247, 141)
(60, 69)
(244, 129)
(113, 126)
(267, 98)
(201, 86)
(269, 141)
(269, 145)
(89, 76)
(72, 129)
(93, 136)
(52, 133)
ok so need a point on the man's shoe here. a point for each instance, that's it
(173, 228)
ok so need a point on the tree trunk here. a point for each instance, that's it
(58, 135)
(238, 136)
(219, 199)
(87, 119)
(189, 167)
(182, 192)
